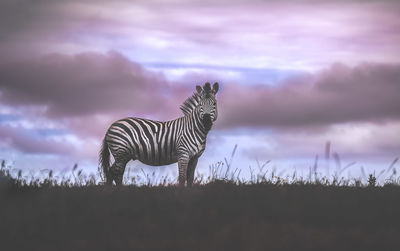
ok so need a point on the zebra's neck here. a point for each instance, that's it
(197, 125)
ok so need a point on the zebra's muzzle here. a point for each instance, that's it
(207, 122)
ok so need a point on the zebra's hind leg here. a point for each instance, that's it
(109, 178)
(117, 170)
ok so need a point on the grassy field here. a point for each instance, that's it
(218, 215)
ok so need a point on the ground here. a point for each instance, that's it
(216, 216)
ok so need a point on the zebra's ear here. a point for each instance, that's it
(215, 87)
(199, 89)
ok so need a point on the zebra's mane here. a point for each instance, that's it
(190, 104)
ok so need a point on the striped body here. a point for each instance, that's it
(156, 143)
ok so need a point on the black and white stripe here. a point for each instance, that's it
(156, 143)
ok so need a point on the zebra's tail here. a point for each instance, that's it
(104, 160)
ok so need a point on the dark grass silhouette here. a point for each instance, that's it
(221, 212)
(216, 216)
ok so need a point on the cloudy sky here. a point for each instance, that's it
(293, 74)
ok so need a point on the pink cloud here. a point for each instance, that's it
(261, 34)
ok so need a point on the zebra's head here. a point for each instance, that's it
(208, 104)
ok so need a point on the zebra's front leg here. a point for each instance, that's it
(190, 171)
(182, 166)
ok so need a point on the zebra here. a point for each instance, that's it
(156, 143)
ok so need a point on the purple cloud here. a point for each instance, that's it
(83, 84)
(365, 93)
(86, 85)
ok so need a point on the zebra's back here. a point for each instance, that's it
(151, 142)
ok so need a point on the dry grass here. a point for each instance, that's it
(221, 171)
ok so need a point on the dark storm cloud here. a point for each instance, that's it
(366, 93)
(87, 84)
(31, 27)
(83, 84)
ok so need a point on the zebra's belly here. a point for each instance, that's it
(171, 160)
